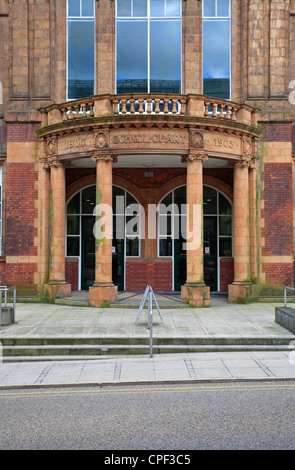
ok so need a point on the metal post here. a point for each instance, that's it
(285, 296)
(150, 320)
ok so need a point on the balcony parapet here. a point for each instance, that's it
(182, 109)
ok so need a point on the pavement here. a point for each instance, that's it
(220, 320)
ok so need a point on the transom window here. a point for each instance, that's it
(80, 48)
(148, 46)
(216, 48)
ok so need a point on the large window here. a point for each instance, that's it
(148, 46)
(216, 48)
(80, 48)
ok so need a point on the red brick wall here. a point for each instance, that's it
(20, 209)
(279, 273)
(2, 272)
(277, 213)
(22, 132)
(278, 209)
(72, 272)
(154, 271)
(277, 132)
(21, 274)
(161, 175)
(226, 273)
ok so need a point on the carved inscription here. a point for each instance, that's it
(156, 138)
(74, 143)
(221, 143)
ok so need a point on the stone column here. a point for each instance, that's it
(103, 289)
(57, 281)
(241, 290)
(253, 221)
(195, 291)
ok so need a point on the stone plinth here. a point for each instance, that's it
(53, 289)
(242, 293)
(196, 295)
(102, 295)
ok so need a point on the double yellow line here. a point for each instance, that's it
(38, 392)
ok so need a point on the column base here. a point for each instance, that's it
(101, 295)
(197, 295)
(242, 293)
(54, 288)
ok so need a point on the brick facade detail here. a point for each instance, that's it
(278, 209)
(21, 212)
(226, 273)
(156, 272)
(278, 132)
(72, 272)
(279, 273)
(22, 132)
(21, 274)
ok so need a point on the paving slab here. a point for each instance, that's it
(221, 320)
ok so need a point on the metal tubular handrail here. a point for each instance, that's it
(5, 289)
(150, 296)
(285, 294)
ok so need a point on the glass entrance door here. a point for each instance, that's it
(118, 263)
(210, 252)
(88, 252)
(179, 264)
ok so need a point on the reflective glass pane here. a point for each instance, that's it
(73, 224)
(132, 226)
(139, 7)
(130, 200)
(165, 56)
(80, 59)
(180, 197)
(222, 7)
(165, 225)
(124, 7)
(73, 7)
(167, 200)
(165, 247)
(225, 247)
(216, 58)
(74, 205)
(209, 201)
(224, 205)
(132, 247)
(88, 200)
(73, 246)
(172, 8)
(157, 7)
(209, 8)
(225, 225)
(132, 56)
(87, 8)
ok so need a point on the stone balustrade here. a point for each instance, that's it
(194, 106)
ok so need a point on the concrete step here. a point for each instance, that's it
(36, 349)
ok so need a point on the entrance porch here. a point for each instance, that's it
(150, 155)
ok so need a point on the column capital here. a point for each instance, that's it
(53, 162)
(194, 157)
(244, 163)
(104, 157)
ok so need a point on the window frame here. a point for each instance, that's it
(219, 18)
(82, 19)
(149, 18)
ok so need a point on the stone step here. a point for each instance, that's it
(36, 349)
